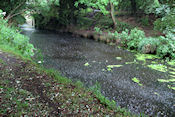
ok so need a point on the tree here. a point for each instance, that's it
(13, 8)
(102, 5)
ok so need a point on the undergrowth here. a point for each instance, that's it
(135, 39)
(11, 38)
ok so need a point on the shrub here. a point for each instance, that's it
(166, 47)
(123, 37)
(165, 24)
(135, 37)
(11, 37)
(148, 45)
(121, 26)
(98, 30)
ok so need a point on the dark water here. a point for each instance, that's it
(68, 55)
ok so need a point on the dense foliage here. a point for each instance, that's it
(11, 38)
(135, 39)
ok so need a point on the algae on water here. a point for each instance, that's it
(136, 80)
(143, 57)
(86, 64)
(171, 87)
(158, 67)
(172, 63)
(119, 58)
(110, 67)
(166, 80)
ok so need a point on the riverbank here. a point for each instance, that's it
(135, 39)
(26, 89)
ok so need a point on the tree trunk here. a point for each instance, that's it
(134, 8)
(113, 15)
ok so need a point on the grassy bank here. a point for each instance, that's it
(27, 89)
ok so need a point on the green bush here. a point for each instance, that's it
(165, 24)
(12, 38)
(135, 37)
(166, 47)
(121, 26)
(148, 45)
(163, 47)
(98, 30)
(123, 36)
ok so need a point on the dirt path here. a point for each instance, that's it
(25, 90)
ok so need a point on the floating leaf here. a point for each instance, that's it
(103, 69)
(172, 63)
(158, 67)
(169, 80)
(86, 64)
(129, 63)
(156, 93)
(172, 73)
(143, 57)
(109, 69)
(136, 80)
(172, 76)
(113, 66)
(119, 58)
(170, 87)
(172, 68)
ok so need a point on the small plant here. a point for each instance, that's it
(134, 39)
(166, 47)
(98, 30)
(145, 21)
(122, 26)
(148, 45)
(124, 37)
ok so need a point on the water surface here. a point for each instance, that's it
(70, 56)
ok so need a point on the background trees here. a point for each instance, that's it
(14, 10)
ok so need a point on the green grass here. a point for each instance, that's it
(13, 51)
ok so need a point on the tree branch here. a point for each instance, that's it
(16, 14)
(10, 14)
